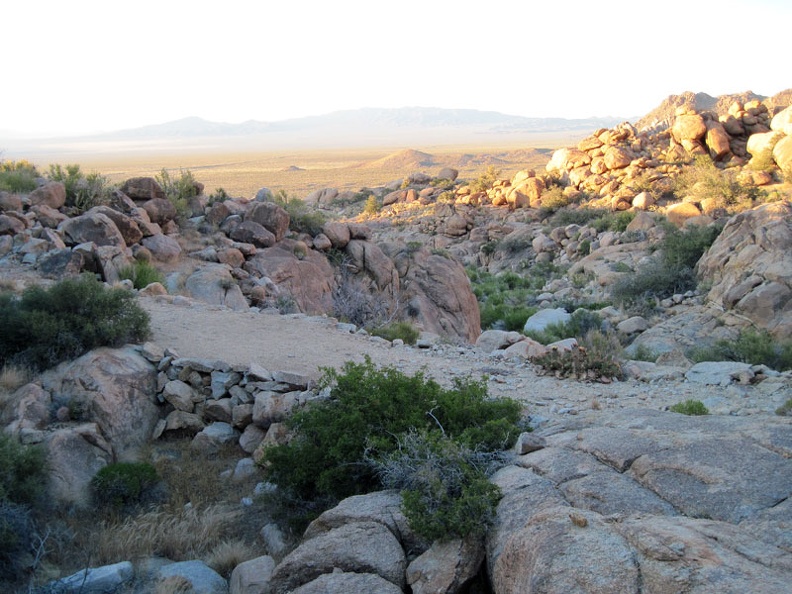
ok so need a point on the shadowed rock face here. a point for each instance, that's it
(648, 499)
(750, 267)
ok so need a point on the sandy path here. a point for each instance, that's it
(305, 344)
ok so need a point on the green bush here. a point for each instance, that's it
(23, 471)
(372, 206)
(179, 190)
(576, 216)
(83, 192)
(302, 218)
(18, 176)
(757, 347)
(595, 358)
(368, 413)
(503, 299)
(581, 322)
(614, 221)
(690, 408)
(486, 180)
(398, 330)
(704, 181)
(670, 272)
(785, 410)
(444, 485)
(123, 483)
(142, 274)
(554, 200)
(66, 320)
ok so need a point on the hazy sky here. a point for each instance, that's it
(89, 66)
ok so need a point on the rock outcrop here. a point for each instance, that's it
(749, 267)
(646, 499)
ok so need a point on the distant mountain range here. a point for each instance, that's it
(369, 127)
(368, 120)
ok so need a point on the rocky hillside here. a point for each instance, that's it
(661, 241)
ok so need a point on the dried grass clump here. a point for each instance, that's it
(228, 554)
(13, 377)
(180, 535)
(174, 584)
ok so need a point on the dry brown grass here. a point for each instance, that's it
(174, 584)
(178, 535)
(13, 377)
(224, 557)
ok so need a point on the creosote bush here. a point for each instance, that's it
(367, 417)
(18, 176)
(690, 408)
(757, 347)
(142, 274)
(703, 180)
(123, 483)
(671, 270)
(581, 322)
(302, 218)
(48, 325)
(398, 330)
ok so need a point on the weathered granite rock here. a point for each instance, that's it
(360, 547)
(647, 501)
(251, 577)
(202, 578)
(95, 580)
(341, 582)
(116, 387)
(749, 267)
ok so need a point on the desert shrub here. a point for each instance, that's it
(703, 180)
(444, 485)
(577, 216)
(614, 221)
(757, 347)
(49, 325)
(581, 322)
(682, 248)
(595, 358)
(503, 298)
(486, 180)
(123, 484)
(23, 471)
(554, 200)
(83, 192)
(690, 408)
(356, 301)
(671, 270)
(142, 274)
(178, 190)
(365, 418)
(372, 206)
(302, 218)
(398, 330)
(785, 410)
(18, 176)
(16, 541)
